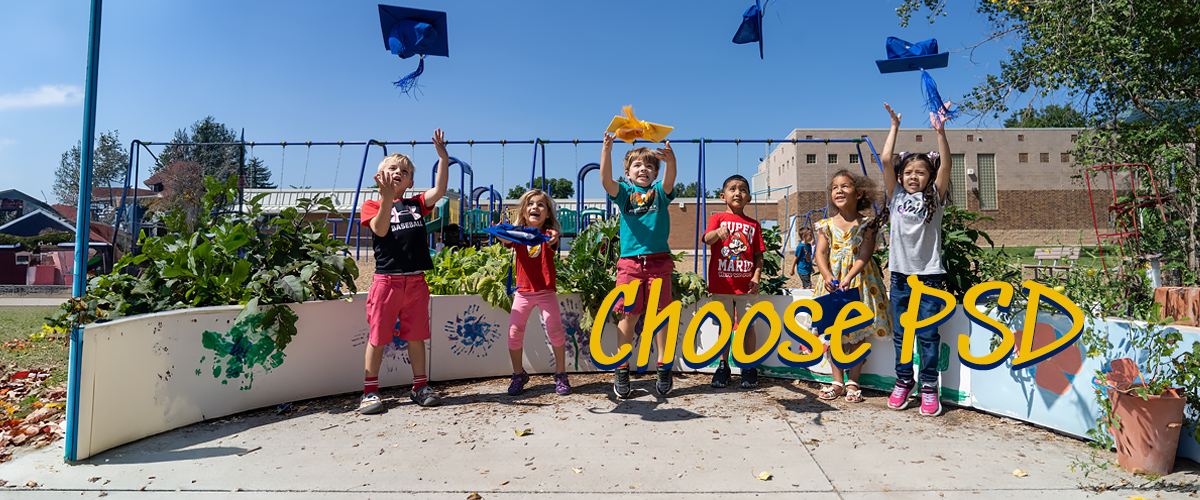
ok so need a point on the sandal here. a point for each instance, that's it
(853, 396)
(833, 391)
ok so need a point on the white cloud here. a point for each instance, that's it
(46, 95)
(6, 142)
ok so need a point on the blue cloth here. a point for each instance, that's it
(645, 220)
(517, 234)
(929, 343)
(831, 305)
(904, 56)
(804, 258)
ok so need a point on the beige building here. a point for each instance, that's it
(1020, 177)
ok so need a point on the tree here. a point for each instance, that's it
(258, 175)
(110, 161)
(1048, 117)
(217, 161)
(689, 190)
(1131, 65)
(558, 188)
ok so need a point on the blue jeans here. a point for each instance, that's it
(929, 342)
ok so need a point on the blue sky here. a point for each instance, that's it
(318, 71)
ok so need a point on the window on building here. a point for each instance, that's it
(958, 180)
(1023, 158)
(853, 158)
(808, 137)
(1020, 137)
(810, 158)
(1064, 157)
(1044, 157)
(833, 158)
(987, 181)
(970, 138)
(920, 138)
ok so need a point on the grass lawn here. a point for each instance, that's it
(1089, 257)
(17, 323)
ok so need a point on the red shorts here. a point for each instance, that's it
(398, 306)
(645, 268)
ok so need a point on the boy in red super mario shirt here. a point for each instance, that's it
(398, 303)
(735, 267)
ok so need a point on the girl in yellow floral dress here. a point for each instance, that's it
(845, 243)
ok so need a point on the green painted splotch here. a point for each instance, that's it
(241, 352)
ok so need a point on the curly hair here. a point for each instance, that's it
(932, 163)
(862, 184)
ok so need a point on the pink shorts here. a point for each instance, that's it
(398, 306)
(645, 268)
(522, 307)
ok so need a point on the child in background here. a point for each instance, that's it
(845, 243)
(735, 267)
(645, 253)
(803, 262)
(535, 274)
(398, 303)
(918, 194)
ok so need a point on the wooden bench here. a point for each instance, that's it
(1053, 254)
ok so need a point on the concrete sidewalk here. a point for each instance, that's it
(698, 443)
(32, 301)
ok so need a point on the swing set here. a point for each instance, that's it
(472, 216)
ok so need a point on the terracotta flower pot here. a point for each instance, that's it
(1149, 433)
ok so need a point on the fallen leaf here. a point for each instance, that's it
(578, 470)
(474, 496)
(1019, 473)
(504, 483)
(764, 476)
(525, 432)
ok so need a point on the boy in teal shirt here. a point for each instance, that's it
(645, 252)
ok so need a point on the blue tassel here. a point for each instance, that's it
(933, 100)
(409, 83)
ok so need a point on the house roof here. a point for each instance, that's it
(34, 223)
(31, 203)
(105, 193)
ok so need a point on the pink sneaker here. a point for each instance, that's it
(899, 398)
(931, 405)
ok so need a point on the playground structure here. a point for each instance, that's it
(471, 216)
(1127, 217)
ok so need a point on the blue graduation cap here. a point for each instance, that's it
(517, 234)
(831, 305)
(751, 29)
(408, 32)
(920, 56)
(904, 56)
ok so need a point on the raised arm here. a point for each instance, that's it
(885, 154)
(606, 178)
(667, 155)
(943, 177)
(387, 193)
(438, 190)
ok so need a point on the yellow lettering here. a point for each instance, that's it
(1007, 339)
(596, 351)
(739, 356)
(845, 324)
(716, 311)
(801, 335)
(1026, 356)
(654, 322)
(908, 319)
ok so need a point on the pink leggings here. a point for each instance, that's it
(523, 303)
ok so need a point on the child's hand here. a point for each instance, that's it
(895, 116)
(722, 233)
(665, 153)
(831, 285)
(553, 237)
(939, 119)
(439, 143)
(754, 287)
(387, 187)
(608, 142)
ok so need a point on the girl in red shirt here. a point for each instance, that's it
(536, 276)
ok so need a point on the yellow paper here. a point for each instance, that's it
(628, 128)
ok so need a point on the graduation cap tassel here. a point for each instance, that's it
(933, 100)
(409, 82)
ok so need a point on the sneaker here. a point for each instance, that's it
(621, 382)
(899, 398)
(425, 396)
(931, 404)
(518, 383)
(370, 403)
(721, 377)
(561, 385)
(665, 382)
(749, 378)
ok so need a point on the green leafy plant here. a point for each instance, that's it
(222, 258)
(458, 271)
(960, 252)
(772, 279)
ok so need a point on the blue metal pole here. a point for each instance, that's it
(124, 194)
(137, 212)
(82, 218)
(358, 188)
